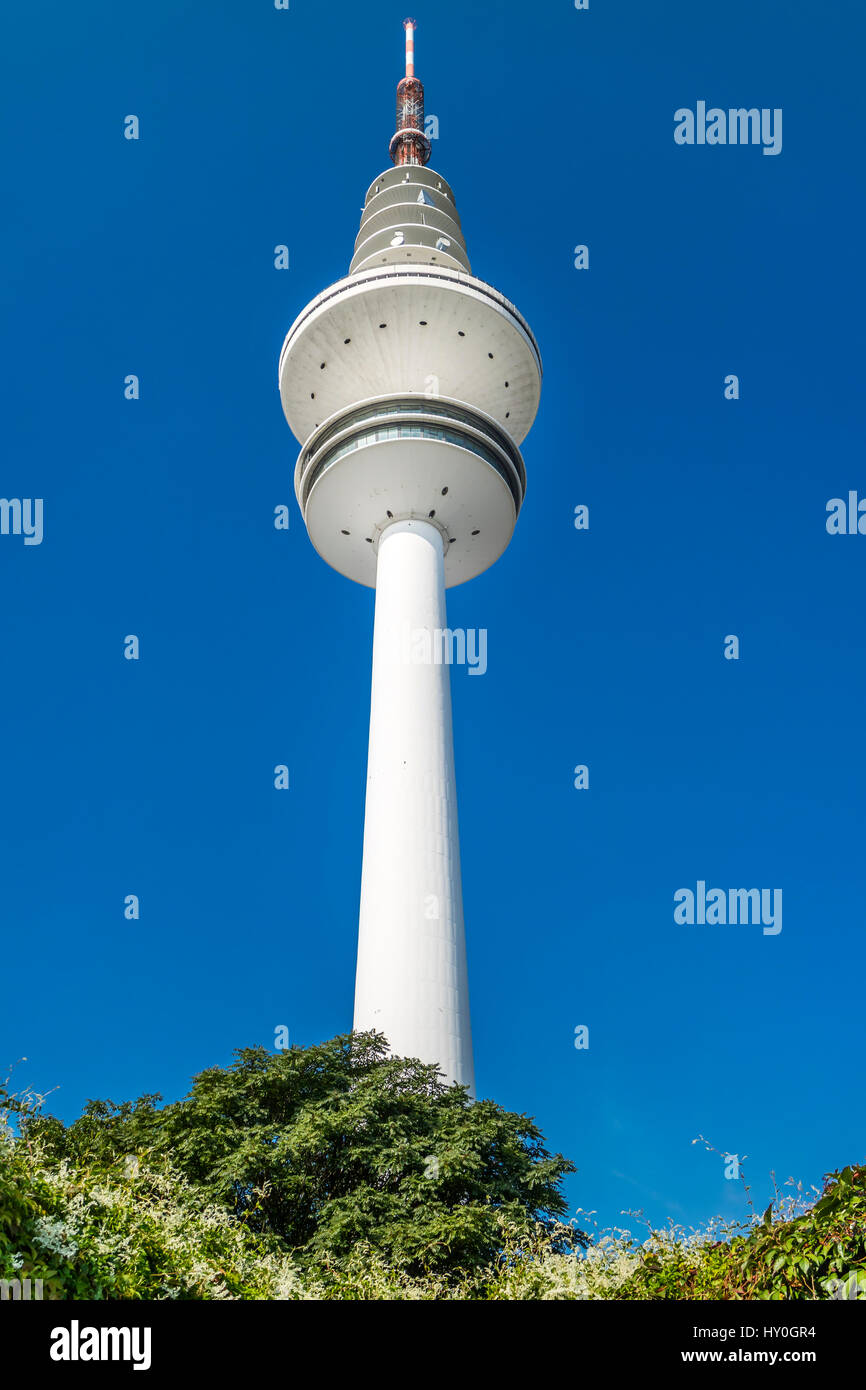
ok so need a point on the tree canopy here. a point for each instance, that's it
(339, 1146)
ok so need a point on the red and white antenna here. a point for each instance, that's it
(410, 145)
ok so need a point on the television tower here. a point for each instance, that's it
(410, 385)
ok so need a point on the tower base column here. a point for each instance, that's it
(411, 980)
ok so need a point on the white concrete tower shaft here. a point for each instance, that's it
(411, 980)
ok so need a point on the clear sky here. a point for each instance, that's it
(154, 777)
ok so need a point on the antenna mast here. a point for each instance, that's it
(410, 145)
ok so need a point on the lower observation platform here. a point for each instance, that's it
(410, 458)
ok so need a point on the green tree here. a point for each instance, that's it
(337, 1149)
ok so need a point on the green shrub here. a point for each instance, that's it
(94, 1233)
(820, 1253)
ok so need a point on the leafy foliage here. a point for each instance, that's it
(337, 1172)
(336, 1146)
(97, 1232)
(818, 1254)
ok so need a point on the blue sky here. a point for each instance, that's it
(605, 647)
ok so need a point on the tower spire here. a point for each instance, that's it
(410, 145)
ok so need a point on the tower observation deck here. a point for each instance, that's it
(410, 385)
